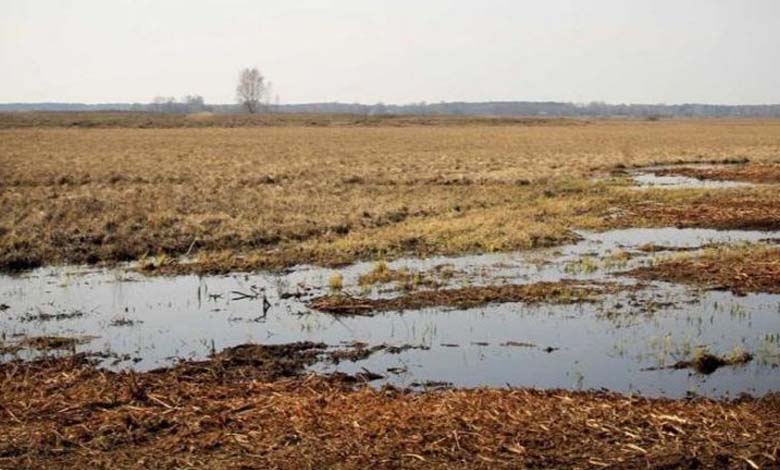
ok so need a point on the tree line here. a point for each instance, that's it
(253, 95)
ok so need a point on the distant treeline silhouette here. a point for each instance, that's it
(194, 104)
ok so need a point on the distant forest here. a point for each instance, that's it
(195, 104)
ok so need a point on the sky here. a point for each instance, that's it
(393, 51)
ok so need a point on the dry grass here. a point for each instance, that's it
(405, 278)
(67, 414)
(562, 292)
(246, 198)
(741, 269)
(136, 120)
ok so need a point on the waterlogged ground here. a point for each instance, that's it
(624, 341)
(655, 177)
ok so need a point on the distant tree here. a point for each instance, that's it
(251, 89)
(163, 104)
(193, 104)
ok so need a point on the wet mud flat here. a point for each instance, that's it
(574, 317)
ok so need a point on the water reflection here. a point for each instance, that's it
(149, 322)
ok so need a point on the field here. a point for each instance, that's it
(430, 292)
(277, 196)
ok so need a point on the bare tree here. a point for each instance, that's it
(251, 89)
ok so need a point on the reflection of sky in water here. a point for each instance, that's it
(605, 344)
(646, 177)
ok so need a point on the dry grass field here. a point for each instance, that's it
(271, 196)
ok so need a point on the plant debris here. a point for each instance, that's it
(563, 292)
(66, 413)
(51, 343)
(42, 316)
(752, 268)
(358, 351)
(706, 363)
(269, 362)
(753, 209)
(518, 344)
(124, 321)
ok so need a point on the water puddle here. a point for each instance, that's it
(622, 343)
(650, 177)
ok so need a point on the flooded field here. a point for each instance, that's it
(315, 293)
(650, 177)
(631, 340)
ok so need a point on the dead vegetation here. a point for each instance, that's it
(562, 292)
(43, 344)
(706, 363)
(140, 120)
(740, 269)
(66, 413)
(744, 209)
(406, 279)
(246, 198)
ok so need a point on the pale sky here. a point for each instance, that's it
(395, 51)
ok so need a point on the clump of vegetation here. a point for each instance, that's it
(336, 282)
(584, 265)
(706, 363)
(405, 279)
(381, 274)
(155, 263)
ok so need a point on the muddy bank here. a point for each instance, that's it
(738, 269)
(66, 413)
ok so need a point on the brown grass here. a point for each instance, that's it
(752, 268)
(67, 414)
(258, 197)
(563, 292)
(751, 209)
(136, 120)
